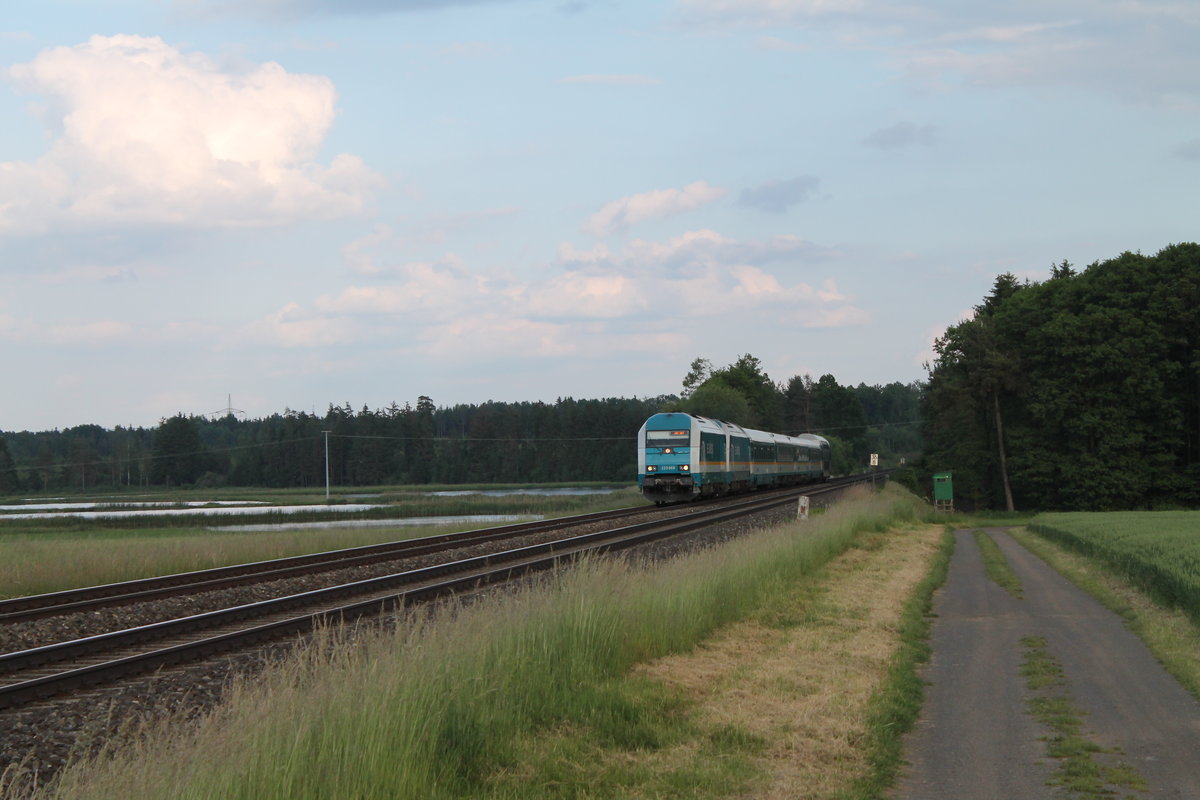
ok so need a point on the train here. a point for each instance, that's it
(686, 457)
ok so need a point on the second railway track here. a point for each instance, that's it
(91, 598)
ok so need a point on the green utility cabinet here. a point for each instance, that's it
(943, 491)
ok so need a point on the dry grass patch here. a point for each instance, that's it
(800, 677)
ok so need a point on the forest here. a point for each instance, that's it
(524, 442)
(1080, 392)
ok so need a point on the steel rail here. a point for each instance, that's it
(421, 584)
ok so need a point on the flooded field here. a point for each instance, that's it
(563, 492)
(465, 519)
(172, 510)
(53, 543)
(407, 506)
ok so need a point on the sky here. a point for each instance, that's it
(287, 204)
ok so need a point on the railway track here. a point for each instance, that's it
(41, 672)
(91, 598)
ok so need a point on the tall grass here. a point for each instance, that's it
(429, 712)
(1157, 551)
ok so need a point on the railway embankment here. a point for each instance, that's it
(471, 699)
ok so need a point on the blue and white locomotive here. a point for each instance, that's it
(683, 457)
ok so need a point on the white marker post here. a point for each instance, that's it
(802, 508)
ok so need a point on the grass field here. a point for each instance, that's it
(448, 706)
(1157, 551)
(38, 557)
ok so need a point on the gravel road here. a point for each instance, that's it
(976, 740)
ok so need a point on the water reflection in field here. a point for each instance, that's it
(121, 504)
(382, 523)
(511, 492)
(192, 512)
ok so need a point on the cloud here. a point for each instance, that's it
(1140, 50)
(620, 214)
(359, 254)
(496, 335)
(768, 12)
(293, 326)
(1189, 150)
(783, 45)
(91, 273)
(696, 250)
(902, 134)
(150, 135)
(613, 80)
(415, 233)
(647, 297)
(779, 196)
(303, 9)
(585, 300)
(434, 288)
(574, 295)
(84, 334)
(569, 254)
(1004, 33)
(68, 333)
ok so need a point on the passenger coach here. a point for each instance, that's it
(682, 457)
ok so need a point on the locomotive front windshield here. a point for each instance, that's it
(679, 438)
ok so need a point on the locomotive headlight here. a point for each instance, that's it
(651, 468)
(668, 450)
(684, 467)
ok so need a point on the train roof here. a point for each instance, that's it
(670, 419)
(812, 438)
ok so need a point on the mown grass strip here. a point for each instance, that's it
(894, 710)
(1081, 762)
(996, 566)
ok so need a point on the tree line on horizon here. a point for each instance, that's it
(1080, 392)
(493, 442)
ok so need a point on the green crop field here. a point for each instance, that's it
(1158, 551)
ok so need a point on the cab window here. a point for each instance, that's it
(679, 438)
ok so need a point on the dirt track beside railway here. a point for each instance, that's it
(977, 739)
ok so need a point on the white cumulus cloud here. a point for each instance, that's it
(293, 326)
(613, 80)
(620, 214)
(646, 296)
(581, 296)
(768, 12)
(149, 134)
